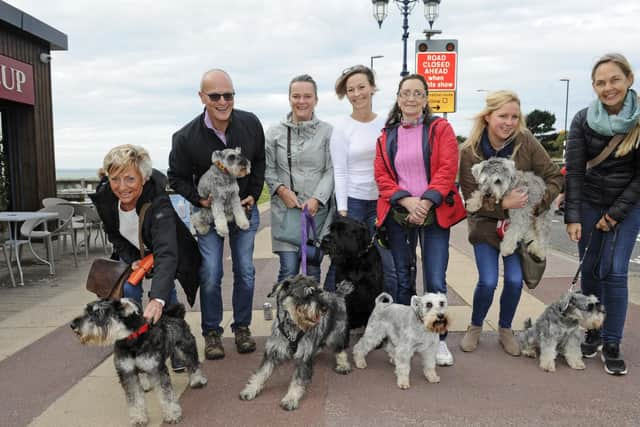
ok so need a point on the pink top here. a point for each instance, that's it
(409, 161)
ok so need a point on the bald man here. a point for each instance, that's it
(221, 126)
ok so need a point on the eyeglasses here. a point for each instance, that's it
(406, 94)
(215, 97)
(127, 180)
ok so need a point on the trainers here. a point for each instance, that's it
(213, 348)
(592, 343)
(444, 356)
(613, 363)
(244, 342)
(177, 363)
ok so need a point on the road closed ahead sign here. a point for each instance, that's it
(439, 68)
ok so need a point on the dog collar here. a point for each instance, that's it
(141, 330)
(220, 166)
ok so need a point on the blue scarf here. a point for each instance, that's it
(608, 125)
(488, 151)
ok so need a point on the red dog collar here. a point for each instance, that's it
(141, 330)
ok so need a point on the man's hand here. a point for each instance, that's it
(574, 230)
(248, 202)
(206, 203)
(606, 223)
(153, 311)
(515, 199)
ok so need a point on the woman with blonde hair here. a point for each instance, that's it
(499, 130)
(605, 223)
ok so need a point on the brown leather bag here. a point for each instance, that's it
(107, 277)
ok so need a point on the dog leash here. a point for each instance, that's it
(306, 222)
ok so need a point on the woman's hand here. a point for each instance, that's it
(515, 199)
(312, 205)
(574, 230)
(288, 197)
(153, 311)
(418, 209)
(606, 223)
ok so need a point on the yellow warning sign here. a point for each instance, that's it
(442, 101)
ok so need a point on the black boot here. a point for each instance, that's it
(591, 344)
(613, 362)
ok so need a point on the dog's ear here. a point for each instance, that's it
(344, 288)
(565, 301)
(475, 171)
(216, 156)
(278, 287)
(129, 307)
(415, 303)
(238, 150)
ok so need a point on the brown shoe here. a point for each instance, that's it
(244, 342)
(508, 341)
(213, 348)
(471, 338)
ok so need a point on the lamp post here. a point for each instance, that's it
(375, 57)
(431, 8)
(566, 110)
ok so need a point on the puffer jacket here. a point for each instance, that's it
(528, 155)
(613, 185)
(175, 250)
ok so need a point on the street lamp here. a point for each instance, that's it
(431, 12)
(566, 110)
(375, 57)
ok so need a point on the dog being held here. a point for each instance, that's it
(141, 350)
(496, 177)
(356, 259)
(220, 183)
(407, 329)
(308, 319)
(560, 330)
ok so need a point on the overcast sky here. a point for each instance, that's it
(133, 68)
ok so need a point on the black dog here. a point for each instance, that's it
(356, 259)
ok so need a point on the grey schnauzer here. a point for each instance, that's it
(220, 183)
(560, 330)
(498, 176)
(141, 350)
(415, 328)
(308, 320)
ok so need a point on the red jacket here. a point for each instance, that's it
(440, 153)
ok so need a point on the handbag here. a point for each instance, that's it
(107, 277)
(532, 266)
(400, 215)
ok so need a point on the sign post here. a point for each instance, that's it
(437, 62)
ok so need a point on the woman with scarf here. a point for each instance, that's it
(601, 206)
(499, 130)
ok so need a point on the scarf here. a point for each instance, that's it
(608, 125)
(488, 151)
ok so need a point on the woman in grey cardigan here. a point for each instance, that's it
(302, 179)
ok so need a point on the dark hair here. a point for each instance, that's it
(395, 115)
(304, 78)
(341, 83)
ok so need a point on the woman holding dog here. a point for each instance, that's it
(353, 147)
(602, 153)
(499, 130)
(415, 168)
(299, 174)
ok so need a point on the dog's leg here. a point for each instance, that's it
(188, 351)
(371, 338)
(171, 410)
(297, 386)
(403, 366)
(342, 363)
(429, 362)
(572, 352)
(239, 214)
(133, 392)
(256, 381)
(200, 223)
(219, 217)
(474, 203)
(144, 381)
(548, 355)
(511, 237)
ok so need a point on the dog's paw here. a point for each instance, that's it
(138, 421)
(431, 376)
(528, 352)
(403, 383)
(577, 364)
(201, 229)
(343, 369)
(507, 249)
(173, 414)
(474, 203)
(222, 230)
(289, 404)
(536, 250)
(548, 365)
(242, 222)
(360, 362)
(197, 379)
(248, 393)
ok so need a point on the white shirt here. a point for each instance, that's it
(353, 150)
(129, 225)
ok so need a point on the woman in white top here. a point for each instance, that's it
(353, 148)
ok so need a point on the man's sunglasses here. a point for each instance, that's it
(215, 97)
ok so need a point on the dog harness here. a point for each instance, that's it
(141, 330)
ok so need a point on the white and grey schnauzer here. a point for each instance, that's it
(498, 176)
(220, 183)
(405, 330)
(308, 319)
(560, 330)
(141, 350)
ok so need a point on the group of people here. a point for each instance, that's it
(396, 174)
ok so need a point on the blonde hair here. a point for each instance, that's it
(123, 156)
(632, 140)
(494, 101)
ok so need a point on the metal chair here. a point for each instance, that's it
(86, 219)
(53, 201)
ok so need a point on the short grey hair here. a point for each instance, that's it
(123, 156)
(306, 78)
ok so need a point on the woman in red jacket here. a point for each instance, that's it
(415, 168)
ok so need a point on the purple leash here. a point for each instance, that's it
(306, 222)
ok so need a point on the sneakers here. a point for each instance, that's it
(213, 348)
(471, 338)
(244, 342)
(444, 356)
(508, 341)
(613, 363)
(591, 344)
(177, 364)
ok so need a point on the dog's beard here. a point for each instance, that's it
(592, 321)
(307, 316)
(438, 325)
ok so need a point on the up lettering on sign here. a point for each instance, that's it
(16, 81)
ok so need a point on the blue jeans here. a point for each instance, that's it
(290, 266)
(487, 264)
(434, 243)
(211, 247)
(605, 269)
(135, 293)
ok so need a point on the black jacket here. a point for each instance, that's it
(175, 250)
(192, 146)
(613, 185)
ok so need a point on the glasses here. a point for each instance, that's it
(127, 180)
(215, 97)
(406, 94)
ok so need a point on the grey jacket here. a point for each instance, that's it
(311, 169)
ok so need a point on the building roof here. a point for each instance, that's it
(23, 21)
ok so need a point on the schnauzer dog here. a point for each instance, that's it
(498, 176)
(560, 329)
(352, 251)
(220, 183)
(308, 319)
(141, 350)
(407, 330)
